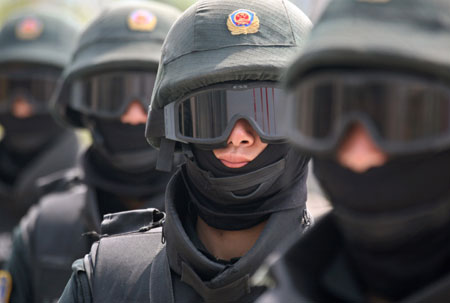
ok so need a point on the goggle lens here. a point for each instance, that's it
(108, 95)
(398, 109)
(209, 116)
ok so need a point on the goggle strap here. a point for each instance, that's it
(187, 151)
(165, 155)
(155, 123)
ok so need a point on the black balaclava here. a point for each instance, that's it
(124, 146)
(29, 135)
(24, 140)
(106, 176)
(395, 220)
(121, 162)
(239, 198)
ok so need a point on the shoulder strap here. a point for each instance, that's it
(56, 241)
(161, 289)
(122, 266)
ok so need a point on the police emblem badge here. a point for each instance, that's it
(29, 29)
(243, 22)
(5, 286)
(142, 20)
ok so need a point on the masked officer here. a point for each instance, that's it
(34, 47)
(370, 99)
(105, 89)
(242, 188)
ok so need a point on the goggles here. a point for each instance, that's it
(207, 117)
(108, 95)
(403, 114)
(36, 86)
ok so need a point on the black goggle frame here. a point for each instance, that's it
(172, 117)
(326, 144)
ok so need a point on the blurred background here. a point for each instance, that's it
(86, 9)
(82, 9)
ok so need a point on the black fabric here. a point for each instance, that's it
(103, 175)
(395, 220)
(313, 268)
(210, 185)
(122, 137)
(123, 266)
(13, 163)
(55, 240)
(202, 275)
(29, 135)
(124, 145)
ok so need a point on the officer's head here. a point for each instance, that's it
(109, 81)
(369, 98)
(369, 85)
(219, 72)
(34, 48)
(218, 97)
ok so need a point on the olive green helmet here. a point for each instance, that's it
(205, 48)
(411, 36)
(116, 40)
(38, 37)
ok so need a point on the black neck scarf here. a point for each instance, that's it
(24, 140)
(102, 174)
(395, 220)
(29, 135)
(239, 198)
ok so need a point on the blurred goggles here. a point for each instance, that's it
(108, 95)
(34, 86)
(403, 114)
(208, 116)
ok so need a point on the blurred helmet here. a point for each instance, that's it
(384, 64)
(34, 48)
(115, 62)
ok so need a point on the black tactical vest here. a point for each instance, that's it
(129, 242)
(15, 200)
(53, 232)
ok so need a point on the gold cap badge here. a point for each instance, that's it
(243, 22)
(29, 29)
(142, 20)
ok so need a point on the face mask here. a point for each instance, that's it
(124, 145)
(394, 219)
(29, 134)
(234, 199)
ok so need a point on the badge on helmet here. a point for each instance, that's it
(29, 29)
(243, 22)
(5, 286)
(142, 20)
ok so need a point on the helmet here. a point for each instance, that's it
(34, 47)
(37, 37)
(384, 50)
(125, 36)
(215, 44)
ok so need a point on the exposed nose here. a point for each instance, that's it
(21, 108)
(242, 134)
(359, 152)
(135, 114)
